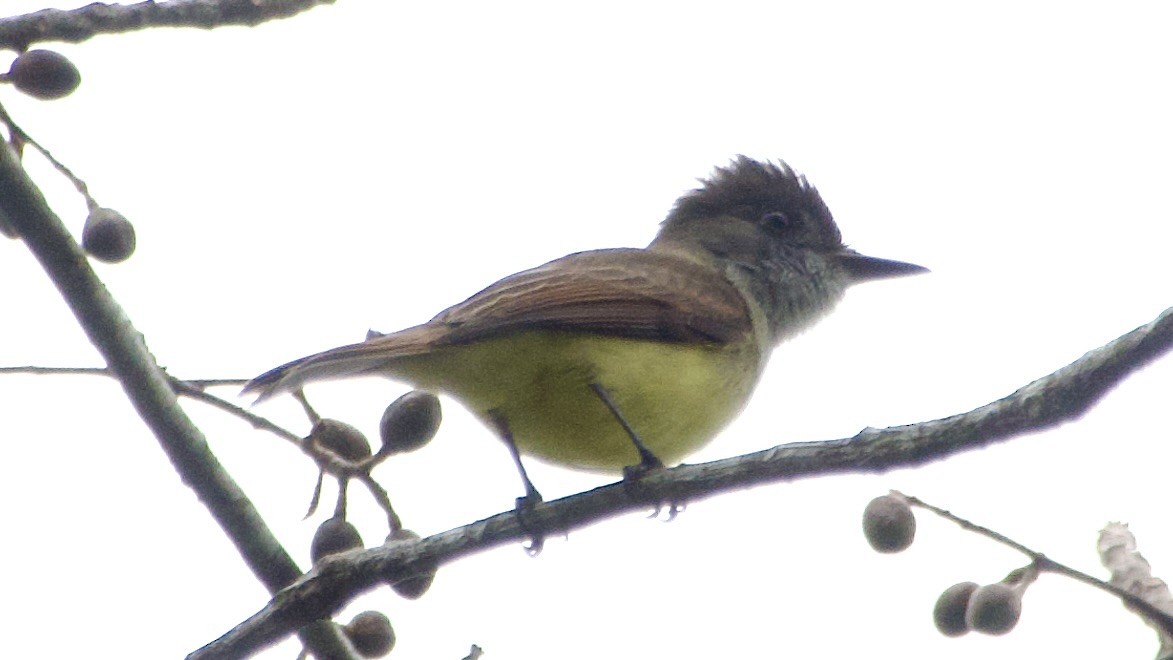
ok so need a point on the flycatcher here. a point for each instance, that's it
(628, 357)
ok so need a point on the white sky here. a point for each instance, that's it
(367, 164)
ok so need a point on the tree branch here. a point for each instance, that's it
(1060, 397)
(76, 25)
(148, 387)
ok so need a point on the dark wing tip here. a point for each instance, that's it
(268, 384)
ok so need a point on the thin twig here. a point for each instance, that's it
(57, 371)
(299, 396)
(190, 383)
(186, 389)
(20, 136)
(384, 500)
(1044, 563)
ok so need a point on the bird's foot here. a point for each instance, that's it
(524, 511)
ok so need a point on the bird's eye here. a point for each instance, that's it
(781, 222)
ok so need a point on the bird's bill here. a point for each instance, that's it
(863, 268)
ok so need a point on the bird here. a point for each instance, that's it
(628, 359)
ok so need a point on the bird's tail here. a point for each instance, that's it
(369, 356)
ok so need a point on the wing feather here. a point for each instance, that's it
(628, 293)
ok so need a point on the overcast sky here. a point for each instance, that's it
(367, 164)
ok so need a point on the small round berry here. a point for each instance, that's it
(413, 587)
(341, 438)
(45, 74)
(108, 236)
(409, 422)
(888, 524)
(993, 609)
(371, 634)
(949, 612)
(333, 536)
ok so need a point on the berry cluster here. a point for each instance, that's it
(46, 74)
(993, 609)
(407, 424)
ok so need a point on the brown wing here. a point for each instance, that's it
(632, 293)
(628, 293)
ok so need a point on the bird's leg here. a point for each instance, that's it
(647, 460)
(532, 497)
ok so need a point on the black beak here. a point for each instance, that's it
(863, 269)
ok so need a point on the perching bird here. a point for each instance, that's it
(629, 357)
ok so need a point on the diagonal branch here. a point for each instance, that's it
(1060, 397)
(147, 386)
(76, 25)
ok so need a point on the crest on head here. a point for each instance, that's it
(769, 193)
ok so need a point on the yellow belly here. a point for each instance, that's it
(676, 396)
